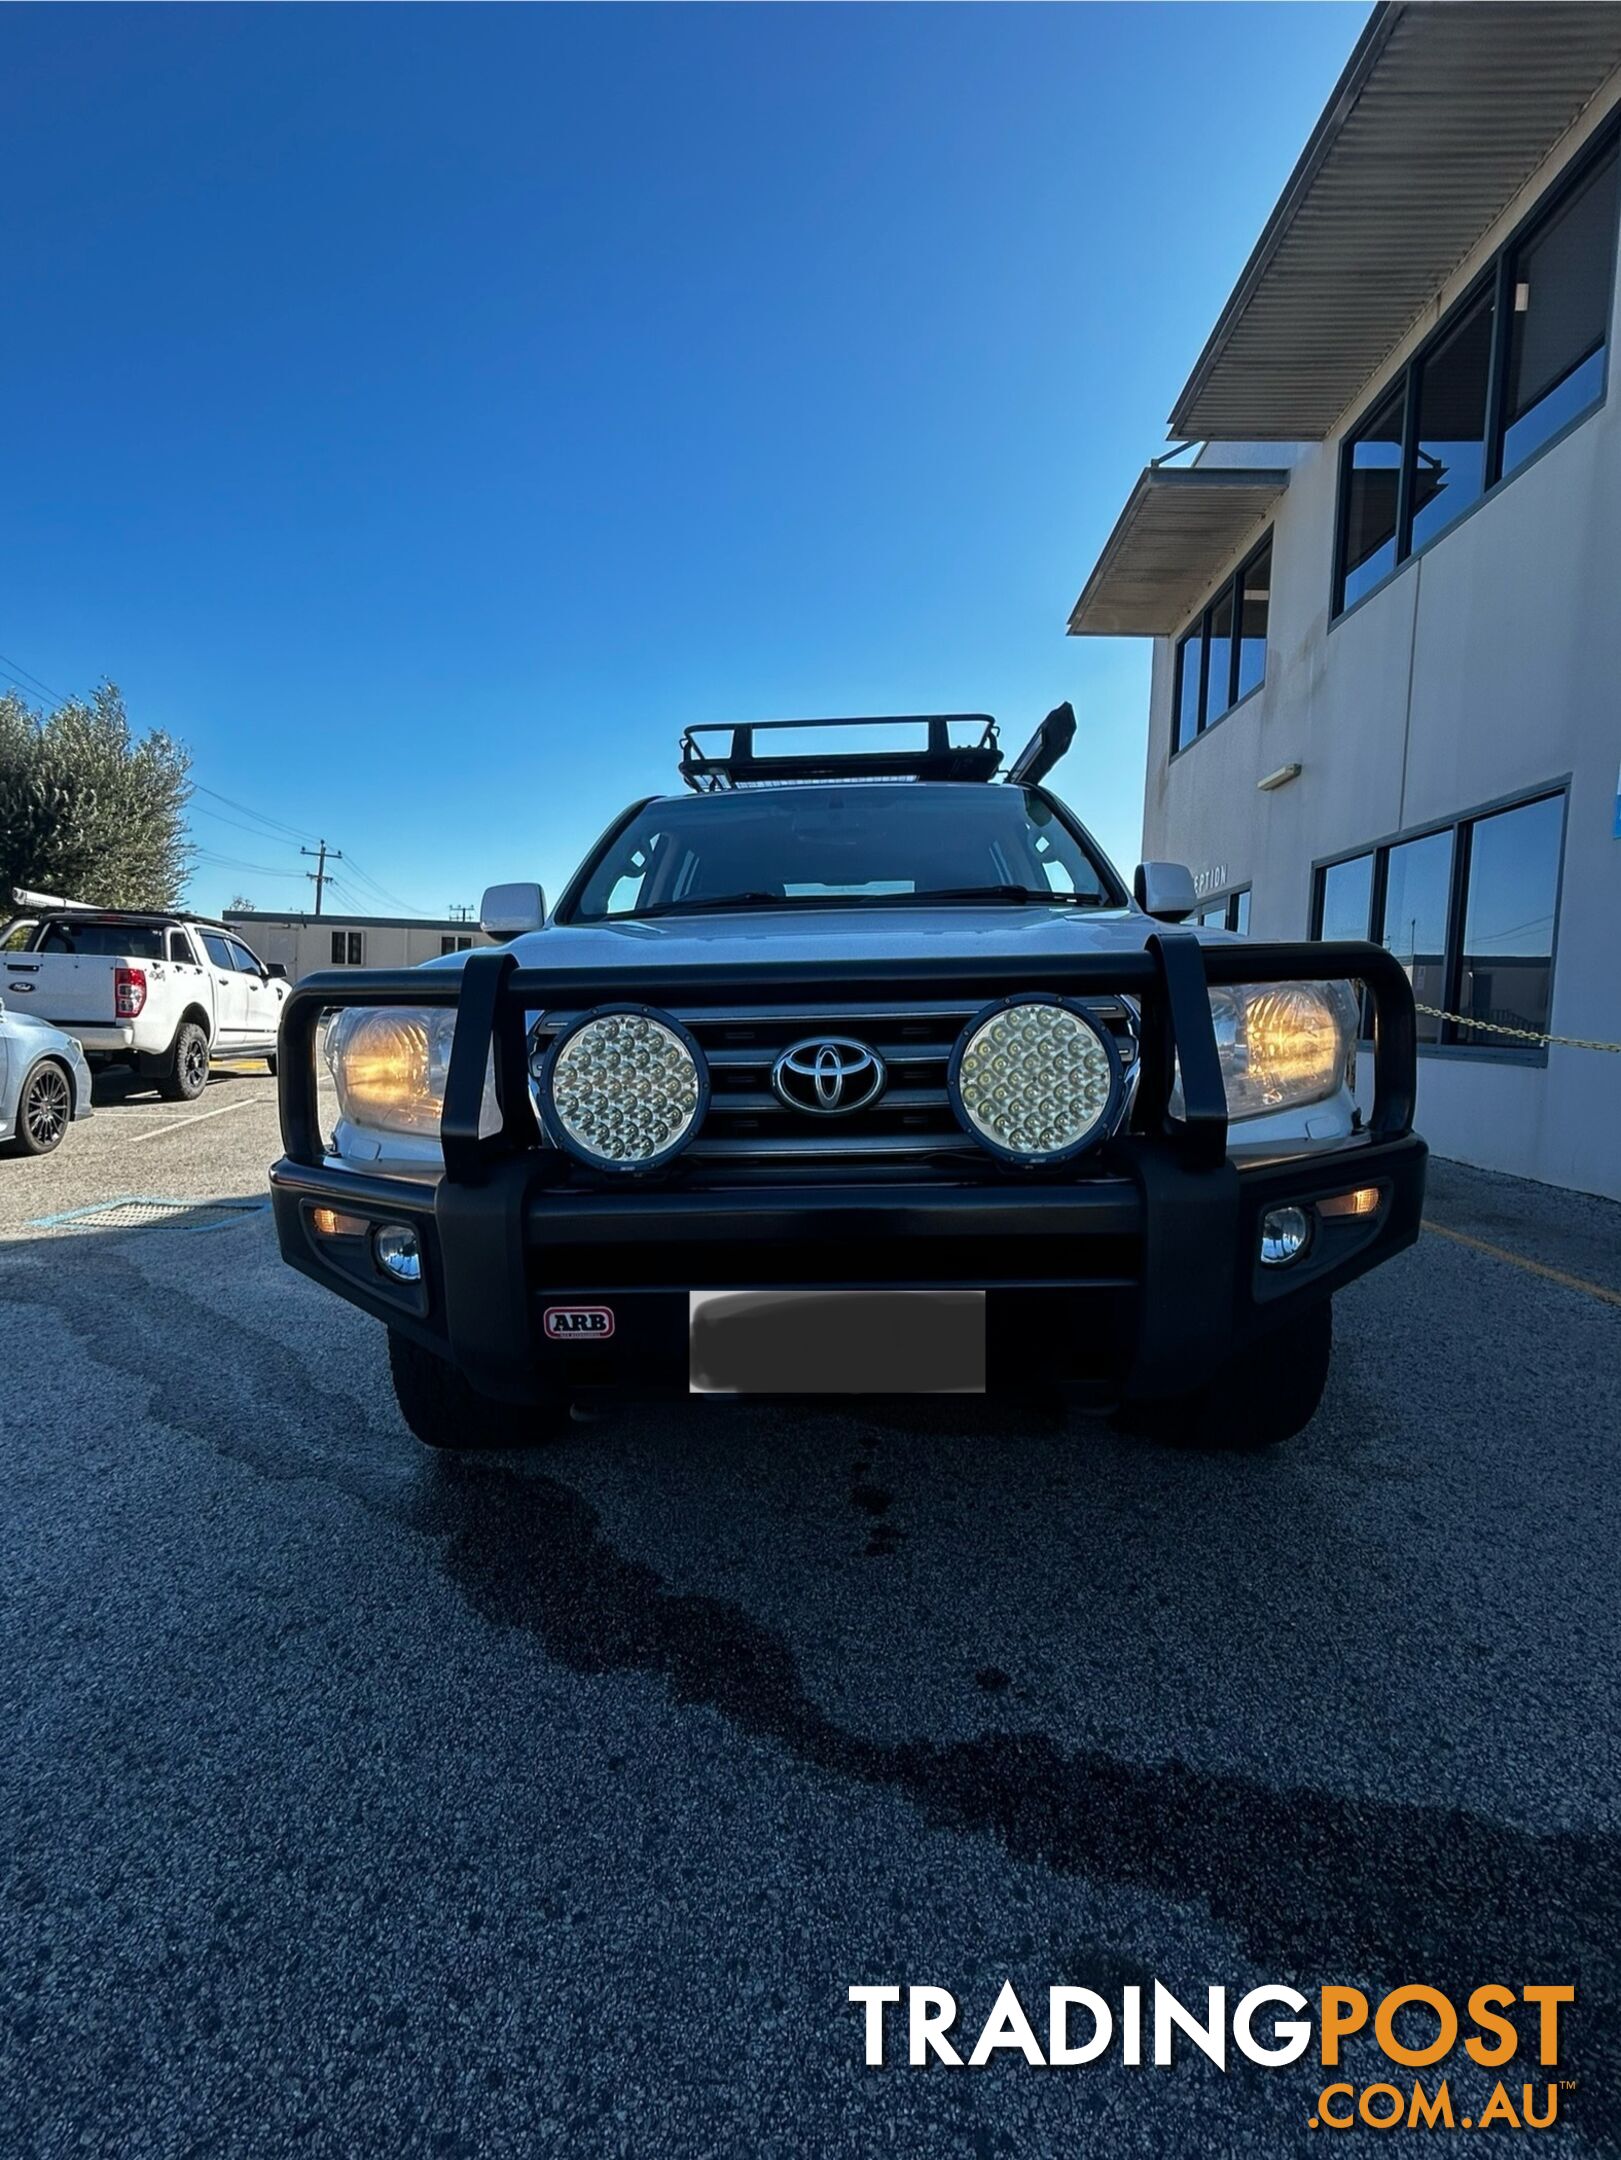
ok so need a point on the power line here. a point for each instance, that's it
(247, 810)
(392, 898)
(41, 689)
(235, 862)
(242, 826)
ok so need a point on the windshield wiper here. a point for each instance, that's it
(1015, 893)
(715, 904)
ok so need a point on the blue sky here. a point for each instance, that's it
(427, 412)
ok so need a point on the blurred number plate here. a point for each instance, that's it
(837, 1342)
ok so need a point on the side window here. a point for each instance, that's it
(628, 887)
(16, 938)
(218, 951)
(348, 948)
(243, 960)
(180, 951)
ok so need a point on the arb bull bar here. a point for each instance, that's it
(1140, 1262)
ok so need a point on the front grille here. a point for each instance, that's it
(912, 1121)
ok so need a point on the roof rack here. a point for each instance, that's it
(739, 765)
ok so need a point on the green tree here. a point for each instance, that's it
(89, 810)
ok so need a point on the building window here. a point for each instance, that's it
(1510, 898)
(1189, 685)
(1229, 913)
(1344, 899)
(1520, 357)
(1254, 598)
(1222, 657)
(455, 944)
(1369, 487)
(1413, 920)
(1559, 315)
(1450, 386)
(348, 948)
(1469, 911)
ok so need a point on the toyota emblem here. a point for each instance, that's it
(829, 1075)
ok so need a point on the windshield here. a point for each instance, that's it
(834, 845)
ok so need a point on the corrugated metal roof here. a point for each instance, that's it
(1442, 115)
(1172, 541)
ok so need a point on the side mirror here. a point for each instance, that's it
(275, 972)
(1165, 890)
(507, 911)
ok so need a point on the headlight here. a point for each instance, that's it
(388, 1064)
(1281, 1045)
(624, 1090)
(1035, 1081)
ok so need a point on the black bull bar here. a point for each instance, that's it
(477, 1219)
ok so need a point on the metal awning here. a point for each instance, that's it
(1176, 535)
(1442, 115)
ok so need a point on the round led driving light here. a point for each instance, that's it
(624, 1089)
(1036, 1080)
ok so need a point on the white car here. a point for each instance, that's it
(165, 993)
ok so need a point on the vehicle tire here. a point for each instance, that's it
(187, 1073)
(445, 1411)
(44, 1110)
(1265, 1396)
(270, 1064)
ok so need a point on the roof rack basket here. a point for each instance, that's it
(709, 771)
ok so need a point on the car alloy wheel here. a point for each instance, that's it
(45, 1108)
(196, 1057)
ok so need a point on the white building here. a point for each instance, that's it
(1385, 595)
(305, 944)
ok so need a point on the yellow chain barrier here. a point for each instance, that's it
(1530, 1035)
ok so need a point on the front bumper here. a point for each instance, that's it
(1137, 1276)
(1129, 1286)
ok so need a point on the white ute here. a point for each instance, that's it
(164, 993)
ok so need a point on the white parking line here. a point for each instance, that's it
(180, 1124)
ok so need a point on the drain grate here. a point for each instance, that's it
(139, 1211)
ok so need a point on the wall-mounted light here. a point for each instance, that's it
(1280, 778)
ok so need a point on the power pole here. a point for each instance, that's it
(459, 911)
(323, 855)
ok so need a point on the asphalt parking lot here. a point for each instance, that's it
(356, 1802)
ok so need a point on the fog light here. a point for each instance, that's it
(397, 1253)
(328, 1222)
(1285, 1234)
(1364, 1201)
